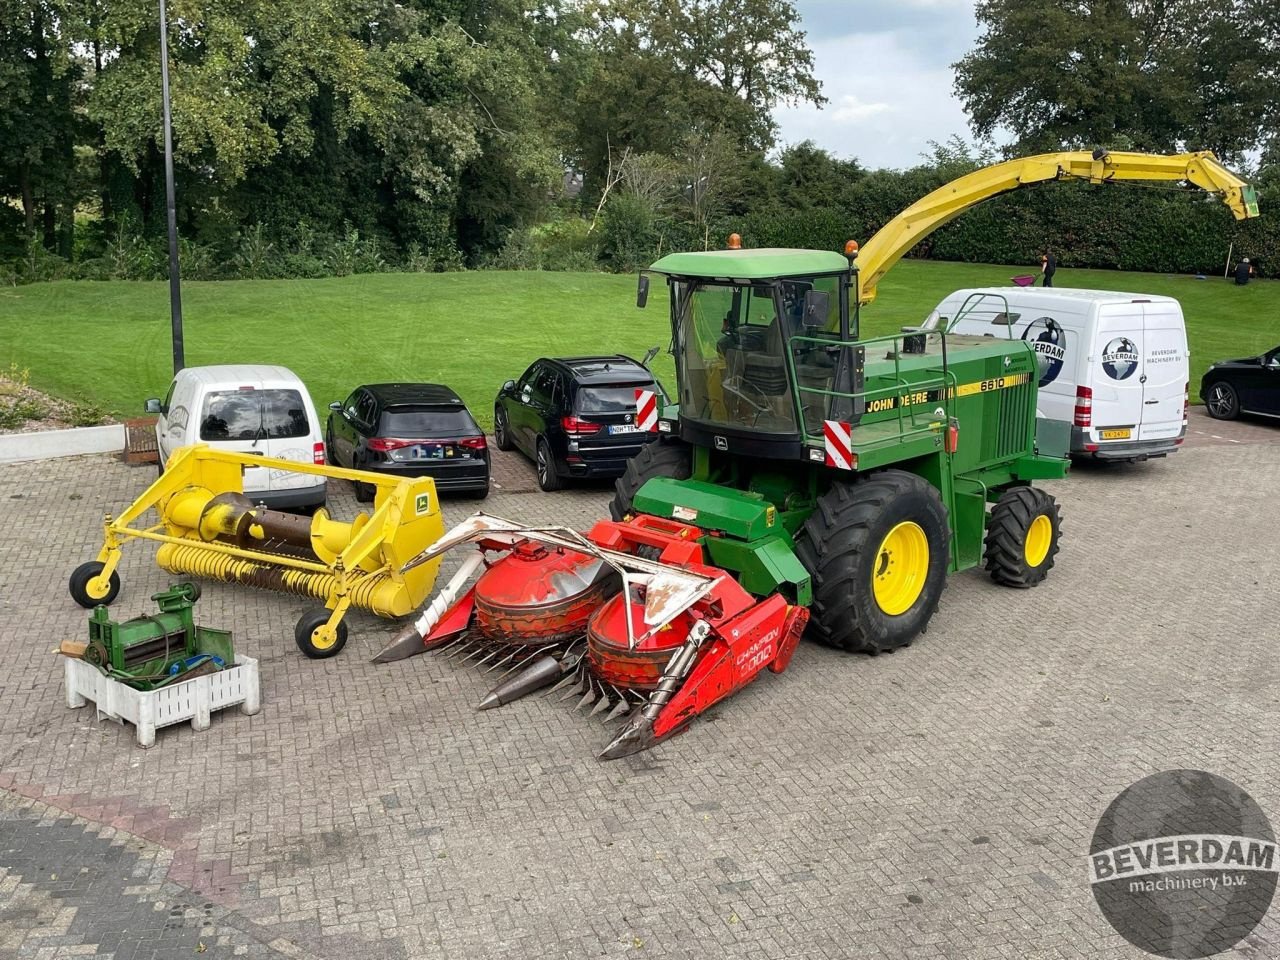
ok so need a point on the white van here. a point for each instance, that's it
(1112, 365)
(250, 409)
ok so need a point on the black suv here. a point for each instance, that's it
(412, 430)
(576, 417)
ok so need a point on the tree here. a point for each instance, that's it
(1163, 74)
(38, 77)
(657, 70)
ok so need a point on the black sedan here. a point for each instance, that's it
(412, 430)
(1250, 385)
(574, 417)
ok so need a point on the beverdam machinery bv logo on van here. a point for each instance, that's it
(1049, 341)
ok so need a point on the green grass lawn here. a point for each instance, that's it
(108, 343)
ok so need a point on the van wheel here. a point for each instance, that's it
(1222, 403)
(1022, 537)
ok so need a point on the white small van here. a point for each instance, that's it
(251, 409)
(1112, 365)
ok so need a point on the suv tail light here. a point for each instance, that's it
(1084, 407)
(576, 427)
(317, 453)
(474, 443)
(387, 444)
(1186, 402)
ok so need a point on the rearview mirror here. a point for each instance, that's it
(649, 355)
(642, 290)
(151, 405)
(817, 305)
(336, 406)
(508, 386)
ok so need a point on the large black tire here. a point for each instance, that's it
(1015, 556)
(544, 465)
(846, 546)
(78, 585)
(661, 458)
(502, 430)
(1221, 401)
(304, 634)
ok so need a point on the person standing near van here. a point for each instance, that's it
(1048, 267)
(1244, 270)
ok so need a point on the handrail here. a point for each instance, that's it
(943, 205)
(976, 299)
(899, 389)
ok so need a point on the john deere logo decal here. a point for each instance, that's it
(1120, 358)
(422, 504)
(1183, 864)
(1049, 341)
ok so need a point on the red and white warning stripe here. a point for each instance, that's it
(646, 410)
(839, 447)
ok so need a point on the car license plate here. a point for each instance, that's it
(1116, 434)
(434, 451)
(623, 428)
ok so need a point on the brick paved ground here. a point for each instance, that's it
(933, 803)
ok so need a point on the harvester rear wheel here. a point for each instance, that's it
(314, 640)
(662, 458)
(90, 596)
(877, 551)
(1022, 537)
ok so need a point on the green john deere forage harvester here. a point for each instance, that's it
(803, 477)
(878, 465)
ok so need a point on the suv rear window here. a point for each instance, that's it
(610, 399)
(253, 414)
(425, 422)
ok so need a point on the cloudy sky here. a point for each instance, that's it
(886, 68)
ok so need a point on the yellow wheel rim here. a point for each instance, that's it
(1039, 536)
(98, 587)
(902, 567)
(323, 637)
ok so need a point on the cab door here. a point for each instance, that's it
(1164, 371)
(1117, 372)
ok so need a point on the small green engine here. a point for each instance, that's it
(167, 647)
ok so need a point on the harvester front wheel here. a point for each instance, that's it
(1022, 537)
(87, 587)
(314, 637)
(661, 458)
(877, 551)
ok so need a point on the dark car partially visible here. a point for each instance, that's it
(574, 416)
(1249, 385)
(413, 430)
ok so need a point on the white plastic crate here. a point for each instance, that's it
(147, 710)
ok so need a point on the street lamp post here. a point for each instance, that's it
(175, 280)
